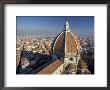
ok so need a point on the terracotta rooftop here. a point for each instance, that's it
(59, 43)
(72, 44)
(66, 42)
(82, 64)
(51, 67)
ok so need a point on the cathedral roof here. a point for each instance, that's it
(66, 42)
(51, 67)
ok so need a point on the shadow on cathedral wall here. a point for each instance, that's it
(31, 63)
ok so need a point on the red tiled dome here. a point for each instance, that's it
(65, 42)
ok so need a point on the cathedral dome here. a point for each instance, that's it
(65, 42)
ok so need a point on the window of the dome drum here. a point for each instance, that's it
(71, 59)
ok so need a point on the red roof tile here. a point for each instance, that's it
(51, 67)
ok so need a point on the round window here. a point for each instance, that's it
(71, 59)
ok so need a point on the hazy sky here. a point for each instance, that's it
(49, 25)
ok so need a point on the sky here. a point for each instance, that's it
(50, 25)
